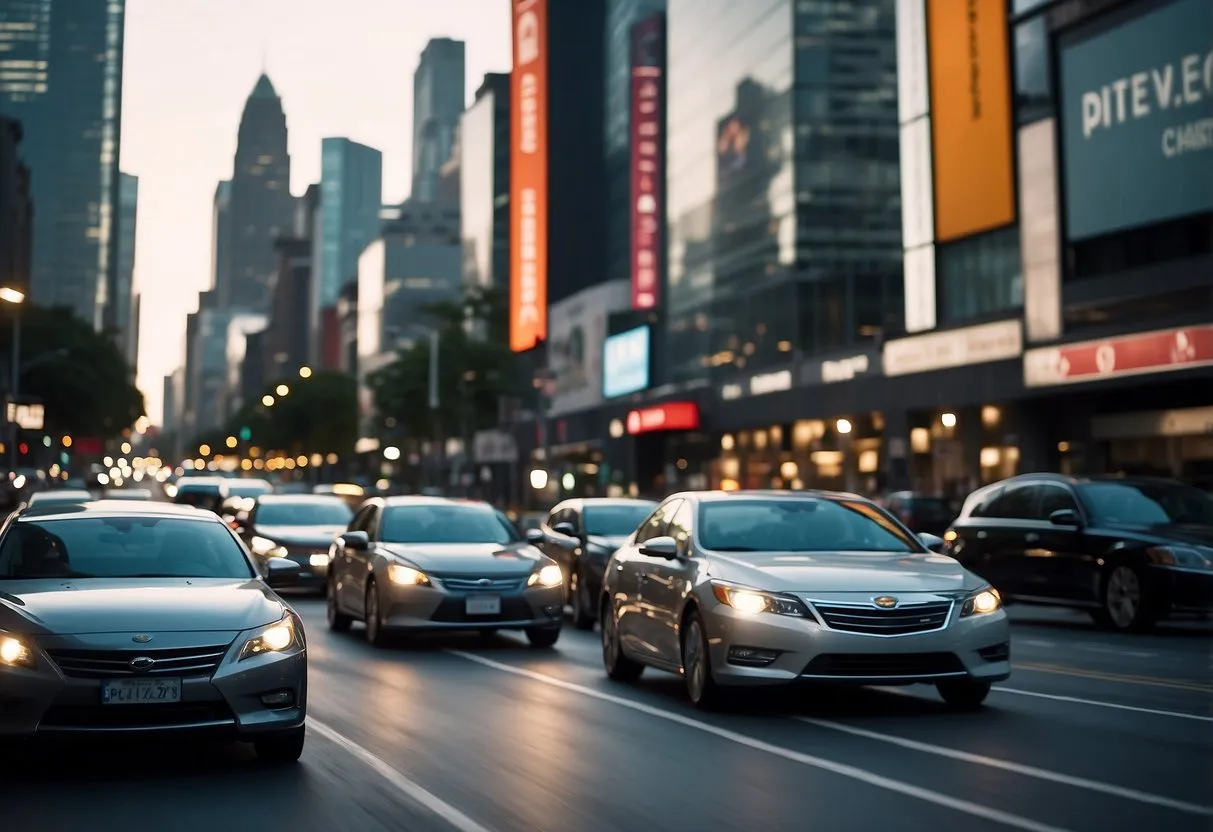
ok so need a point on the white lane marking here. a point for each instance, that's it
(1088, 648)
(1016, 768)
(842, 769)
(1035, 642)
(1075, 700)
(418, 794)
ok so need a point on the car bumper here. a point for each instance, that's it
(802, 650)
(46, 701)
(1185, 590)
(433, 608)
(312, 574)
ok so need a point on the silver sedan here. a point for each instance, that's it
(768, 588)
(142, 618)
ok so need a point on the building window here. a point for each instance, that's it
(1033, 71)
(981, 276)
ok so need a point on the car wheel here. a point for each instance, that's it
(582, 619)
(543, 637)
(282, 748)
(619, 667)
(339, 622)
(1126, 604)
(374, 621)
(697, 665)
(963, 696)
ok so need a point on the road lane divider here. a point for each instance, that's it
(1015, 768)
(842, 769)
(1102, 676)
(1096, 703)
(409, 788)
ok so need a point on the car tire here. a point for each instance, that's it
(966, 695)
(701, 685)
(339, 622)
(280, 748)
(375, 636)
(543, 638)
(1125, 603)
(619, 668)
(582, 619)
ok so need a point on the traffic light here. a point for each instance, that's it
(245, 434)
(23, 448)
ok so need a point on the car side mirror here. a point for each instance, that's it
(566, 528)
(535, 536)
(1064, 517)
(660, 547)
(933, 542)
(280, 572)
(359, 541)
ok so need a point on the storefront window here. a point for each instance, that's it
(981, 276)
(1033, 72)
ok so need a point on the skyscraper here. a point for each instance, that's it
(351, 194)
(261, 205)
(61, 76)
(121, 309)
(438, 96)
(221, 234)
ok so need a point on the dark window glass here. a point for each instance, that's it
(981, 276)
(980, 503)
(1147, 504)
(657, 523)
(1033, 72)
(615, 521)
(304, 513)
(1015, 503)
(1055, 498)
(122, 547)
(799, 525)
(444, 524)
(249, 488)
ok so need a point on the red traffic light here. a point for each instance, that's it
(23, 448)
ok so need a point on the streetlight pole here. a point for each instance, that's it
(14, 298)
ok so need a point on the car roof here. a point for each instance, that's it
(300, 498)
(115, 508)
(769, 494)
(614, 501)
(422, 500)
(1084, 479)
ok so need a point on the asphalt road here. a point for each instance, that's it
(1093, 732)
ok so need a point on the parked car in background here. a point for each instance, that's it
(920, 512)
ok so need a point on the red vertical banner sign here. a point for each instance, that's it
(648, 159)
(529, 176)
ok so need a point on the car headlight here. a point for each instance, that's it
(1182, 556)
(754, 601)
(318, 560)
(267, 548)
(982, 602)
(398, 573)
(14, 653)
(276, 638)
(549, 577)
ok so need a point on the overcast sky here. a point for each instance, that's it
(342, 69)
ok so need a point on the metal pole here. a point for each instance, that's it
(15, 385)
(438, 451)
(433, 374)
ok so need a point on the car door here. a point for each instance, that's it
(362, 561)
(563, 549)
(1066, 569)
(630, 573)
(667, 584)
(652, 584)
(1005, 532)
(346, 583)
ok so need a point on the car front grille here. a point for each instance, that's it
(135, 716)
(873, 621)
(453, 611)
(476, 583)
(883, 665)
(185, 662)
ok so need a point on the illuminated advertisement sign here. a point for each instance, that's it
(1137, 119)
(668, 416)
(625, 362)
(648, 118)
(529, 176)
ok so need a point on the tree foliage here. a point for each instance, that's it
(81, 376)
(475, 369)
(318, 415)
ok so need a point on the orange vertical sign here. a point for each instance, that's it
(970, 116)
(529, 176)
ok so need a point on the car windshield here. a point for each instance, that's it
(445, 524)
(1147, 504)
(304, 513)
(249, 488)
(800, 525)
(121, 547)
(615, 521)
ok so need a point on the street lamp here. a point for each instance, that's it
(16, 298)
(267, 400)
(282, 390)
(305, 372)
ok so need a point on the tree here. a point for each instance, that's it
(475, 369)
(80, 375)
(319, 414)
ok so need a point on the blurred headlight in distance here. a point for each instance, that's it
(274, 639)
(752, 601)
(982, 602)
(266, 548)
(14, 653)
(549, 576)
(398, 573)
(318, 560)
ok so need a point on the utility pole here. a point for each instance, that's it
(434, 402)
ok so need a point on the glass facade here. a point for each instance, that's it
(121, 314)
(438, 96)
(484, 211)
(783, 177)
(61, 76)
(351, 186)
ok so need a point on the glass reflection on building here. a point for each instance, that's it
(484, 185)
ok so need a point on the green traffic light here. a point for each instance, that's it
(245, 434)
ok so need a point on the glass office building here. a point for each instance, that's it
(484, 184)
(61, 77)
(351, 194)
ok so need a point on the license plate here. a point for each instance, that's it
(484, 605)
(140, 691)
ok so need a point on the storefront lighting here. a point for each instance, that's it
(568, 482)
(391, 453)
(991, 416)
(616, 428)
(869, 462)
(789, 470)
(843, 426)
(990, 457)
(948, 420)
(539, 479)
(726, 442)
(920, 440)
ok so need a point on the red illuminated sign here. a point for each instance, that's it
(648, 37)
(1151, 352)
(668, 416)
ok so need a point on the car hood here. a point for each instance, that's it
(843, 571)
(481, 559)
(119, 605)
(1179, 533)
(300, 535)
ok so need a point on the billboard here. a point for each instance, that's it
(625, 362)
(648, 119)
(970, 116)
(1137, 119)
(575, 345)
(529, 176)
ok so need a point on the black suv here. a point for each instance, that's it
(1131, 550)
